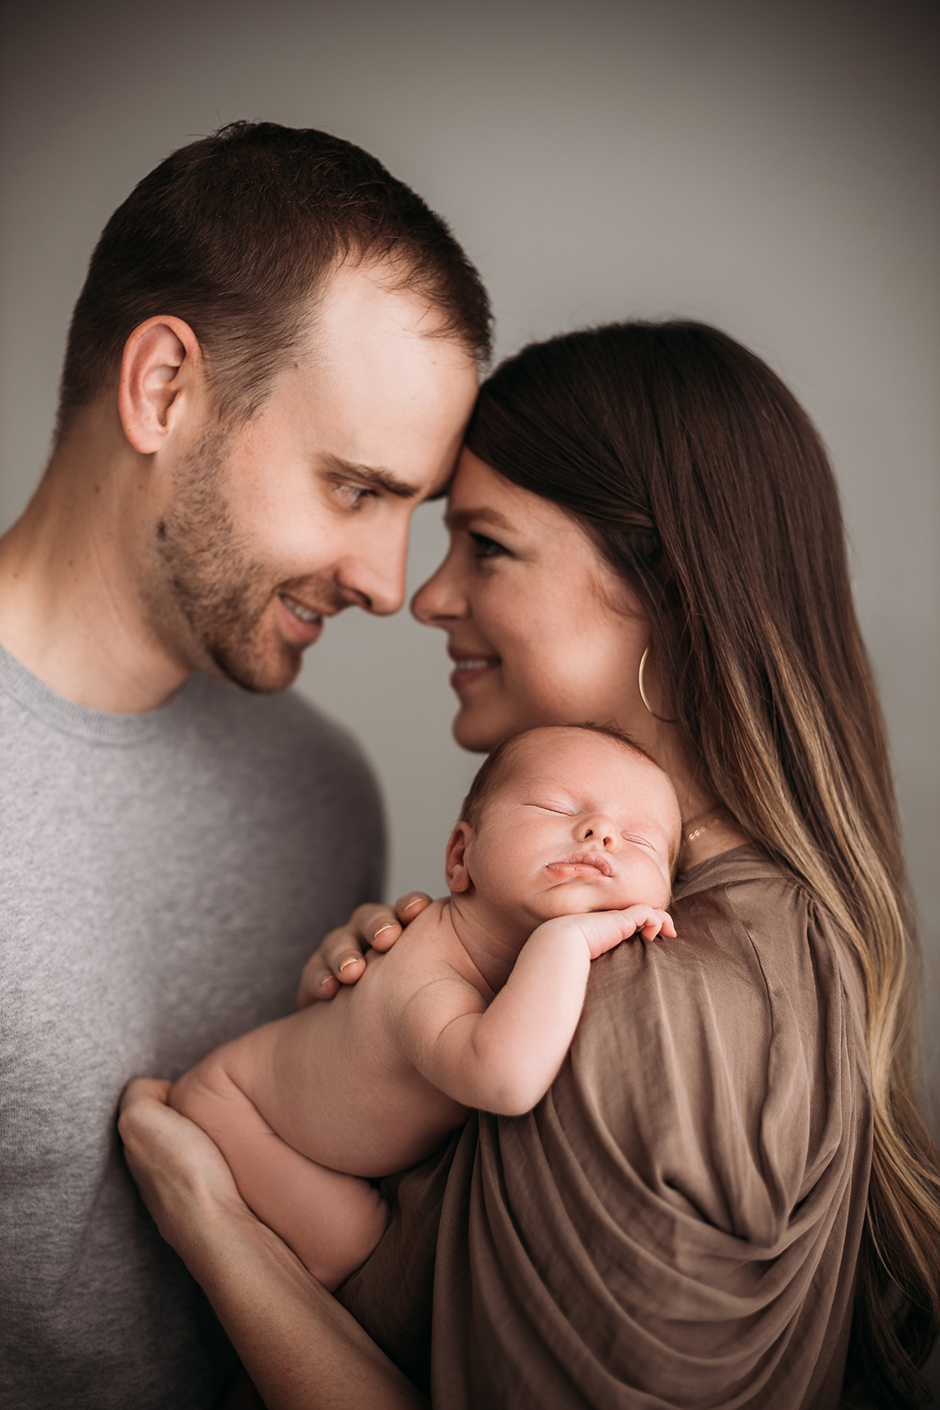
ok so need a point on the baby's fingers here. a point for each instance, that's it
(657, 923)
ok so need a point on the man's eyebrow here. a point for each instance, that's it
(374, 475)
(460, 518)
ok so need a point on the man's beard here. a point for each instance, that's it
(208, 580)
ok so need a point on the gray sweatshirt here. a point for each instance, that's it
(163, 878)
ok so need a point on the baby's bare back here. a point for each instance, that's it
(332, 1081)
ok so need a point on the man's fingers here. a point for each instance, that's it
(339, 960)
(410, 905)
(143, 1089)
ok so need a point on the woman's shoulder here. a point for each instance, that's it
(746, 917)
(757, 962)
(746, 885)
(738, 1047)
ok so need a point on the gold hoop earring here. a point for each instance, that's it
(662, 719)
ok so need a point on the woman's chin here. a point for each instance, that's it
(479, 731)
(471, 737)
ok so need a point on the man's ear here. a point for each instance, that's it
(457, 871)
(161, 359)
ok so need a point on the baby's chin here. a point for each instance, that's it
(578, 898)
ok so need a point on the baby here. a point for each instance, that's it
(564, 848)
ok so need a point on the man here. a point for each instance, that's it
(270, 364)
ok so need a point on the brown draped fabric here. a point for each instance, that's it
(677, 1222)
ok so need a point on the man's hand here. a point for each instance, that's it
(339, 960)
(179, 1170)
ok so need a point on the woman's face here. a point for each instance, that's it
(541, 629)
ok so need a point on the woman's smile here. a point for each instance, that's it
(542, 631)
(469, 668)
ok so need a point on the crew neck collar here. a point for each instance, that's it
(100, 726)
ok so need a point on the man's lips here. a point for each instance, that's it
(583, 864)
(302, 620)
(470, 667)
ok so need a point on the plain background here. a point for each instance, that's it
(771, 168)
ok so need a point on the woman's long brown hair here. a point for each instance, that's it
(705, 484)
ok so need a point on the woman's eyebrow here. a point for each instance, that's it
(460, 518)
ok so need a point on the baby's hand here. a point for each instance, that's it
(603, 930)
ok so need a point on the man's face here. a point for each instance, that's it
(271, 526)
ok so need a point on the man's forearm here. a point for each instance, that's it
(301, 1348)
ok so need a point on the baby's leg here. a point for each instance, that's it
(332, 1221)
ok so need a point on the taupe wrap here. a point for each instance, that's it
(677, 1223)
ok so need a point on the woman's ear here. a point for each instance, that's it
(161, 359)
(457, 871)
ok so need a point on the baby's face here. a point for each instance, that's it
(578, 823)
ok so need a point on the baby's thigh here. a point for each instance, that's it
(209, 1095)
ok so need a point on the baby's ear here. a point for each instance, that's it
(458, 875)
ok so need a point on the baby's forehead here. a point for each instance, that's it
(559, 755)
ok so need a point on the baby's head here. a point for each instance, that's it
(565, 819)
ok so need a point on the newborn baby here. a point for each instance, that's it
(565, 847)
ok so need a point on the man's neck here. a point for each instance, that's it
(71, 608)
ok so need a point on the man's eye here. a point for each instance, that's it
(484, 547)
(353, 495)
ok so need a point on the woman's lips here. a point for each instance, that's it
(471, 668)
(590, 864)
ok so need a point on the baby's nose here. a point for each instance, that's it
(599, 830)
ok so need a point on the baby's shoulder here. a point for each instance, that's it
(429, 951)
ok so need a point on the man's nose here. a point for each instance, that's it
(376, 581)
(600, 830)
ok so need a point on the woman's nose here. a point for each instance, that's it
(439, 601)
(599, 830)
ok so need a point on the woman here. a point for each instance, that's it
(645, 529)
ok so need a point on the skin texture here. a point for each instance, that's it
(160, 542)
(476, 1009)
(218, 1247)
(541, 631)
(540, 628)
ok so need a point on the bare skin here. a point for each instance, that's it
(160, 542)
(540, 631)
(475, 1009)
(461, 598)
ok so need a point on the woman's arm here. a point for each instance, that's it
(302, 1350)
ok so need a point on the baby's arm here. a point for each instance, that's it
(505, 1058)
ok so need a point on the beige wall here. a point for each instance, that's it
(770, 168)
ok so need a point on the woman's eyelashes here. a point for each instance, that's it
(484, 547)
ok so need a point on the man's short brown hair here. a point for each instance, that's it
(233, 234)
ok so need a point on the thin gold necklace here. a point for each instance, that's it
(691, 836)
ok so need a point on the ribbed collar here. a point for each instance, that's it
(101, 726)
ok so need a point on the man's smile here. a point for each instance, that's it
(301, 619)
(300, 609)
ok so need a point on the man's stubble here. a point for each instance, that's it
(210, 590)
